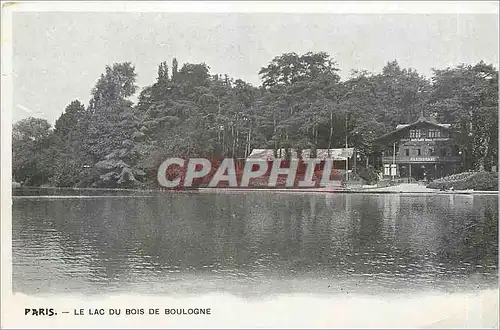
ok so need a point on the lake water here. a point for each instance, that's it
(254, 243)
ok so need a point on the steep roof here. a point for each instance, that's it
(406, 125)
(421, 120)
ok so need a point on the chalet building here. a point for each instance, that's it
(421, 150)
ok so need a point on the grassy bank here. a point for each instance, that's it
(484, 181)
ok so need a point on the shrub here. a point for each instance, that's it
(368, 174)
(486, 181)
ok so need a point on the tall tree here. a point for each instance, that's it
(70, 131)
(33, 152)
(301, 99)
(467, 97)
(113, 124)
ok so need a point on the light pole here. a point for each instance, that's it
(346, 155)
(462, 160)
(393, 169)
(367, 153)
(355, 155)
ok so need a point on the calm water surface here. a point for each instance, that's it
(254, 243)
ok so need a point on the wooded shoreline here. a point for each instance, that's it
(302, 104)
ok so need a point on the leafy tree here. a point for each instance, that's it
(402, 93)
(67, 124)
(33, 153)
(467, 97)
(300, 100)
(113, 126)
(69, 133)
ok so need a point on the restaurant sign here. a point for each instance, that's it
(424, 139)
(423, 159)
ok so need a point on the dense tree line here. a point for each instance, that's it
(302, 103)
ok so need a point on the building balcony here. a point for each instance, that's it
(421, 159)
(424, 139)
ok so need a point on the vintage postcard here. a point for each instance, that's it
(249, 164)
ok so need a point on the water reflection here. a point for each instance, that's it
(255, 243)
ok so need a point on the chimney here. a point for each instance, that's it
(433, 118)
(422, 117)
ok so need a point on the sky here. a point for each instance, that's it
(58, 56)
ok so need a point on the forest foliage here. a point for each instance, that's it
(302, 103)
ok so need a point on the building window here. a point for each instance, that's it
(415, 134)
(444, 152)
(432, 152)
(407, 152)
(434, 133)
(419, 152)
